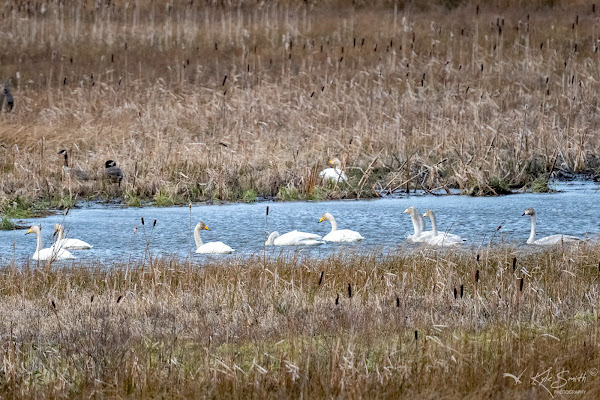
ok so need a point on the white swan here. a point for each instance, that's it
(334, 174)
(440, 239)
(418, 226)
(50, 253)
(293, 238)
(342, 235)
(211, 247)
(548, 240)
(70, 244)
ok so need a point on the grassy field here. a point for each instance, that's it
(497, 324)
(198, 101)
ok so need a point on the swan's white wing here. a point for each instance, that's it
(423, 237)
(72, 244)
(343, 235)
(444, 240)
(556, 239)
(333, 174)
(295, 238)
(311, 242)
(214, 248)
(52, 254)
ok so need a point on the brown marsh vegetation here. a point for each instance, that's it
(213, 100)
(440, 325)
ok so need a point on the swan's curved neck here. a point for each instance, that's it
(416, 224)
(532, 234)
(197, 237)
(421, 221)
(271, 239)
(433, 223)
(333, 224)
(39, 241)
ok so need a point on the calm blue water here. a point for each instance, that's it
(242, 226)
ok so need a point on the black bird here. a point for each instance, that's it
(112, 172)
(74, 172)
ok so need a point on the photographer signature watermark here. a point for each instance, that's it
(556, 381)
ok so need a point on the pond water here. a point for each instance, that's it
(110, 230)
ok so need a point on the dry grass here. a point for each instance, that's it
(346, 326)
(198, 102)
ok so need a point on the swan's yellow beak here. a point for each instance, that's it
(29, 231)
(330, 161)
(206, 227)
(405, 211)
(321, 220)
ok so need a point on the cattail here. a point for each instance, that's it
(142, 220)
(455, 293)
(53, 305)
(312, 94)
(321, 278)
(476, 276)
(216, 46)
(477, 257)
(416, 335)
(349, 290)
(92, 299)
(119, 299)
(521, 282)
(477, 9)
(337, 299)
(594, 8)
(514, 263)
(461, 291)
(154, 224)
(397, 301)
(65, 81)
(224, 80)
